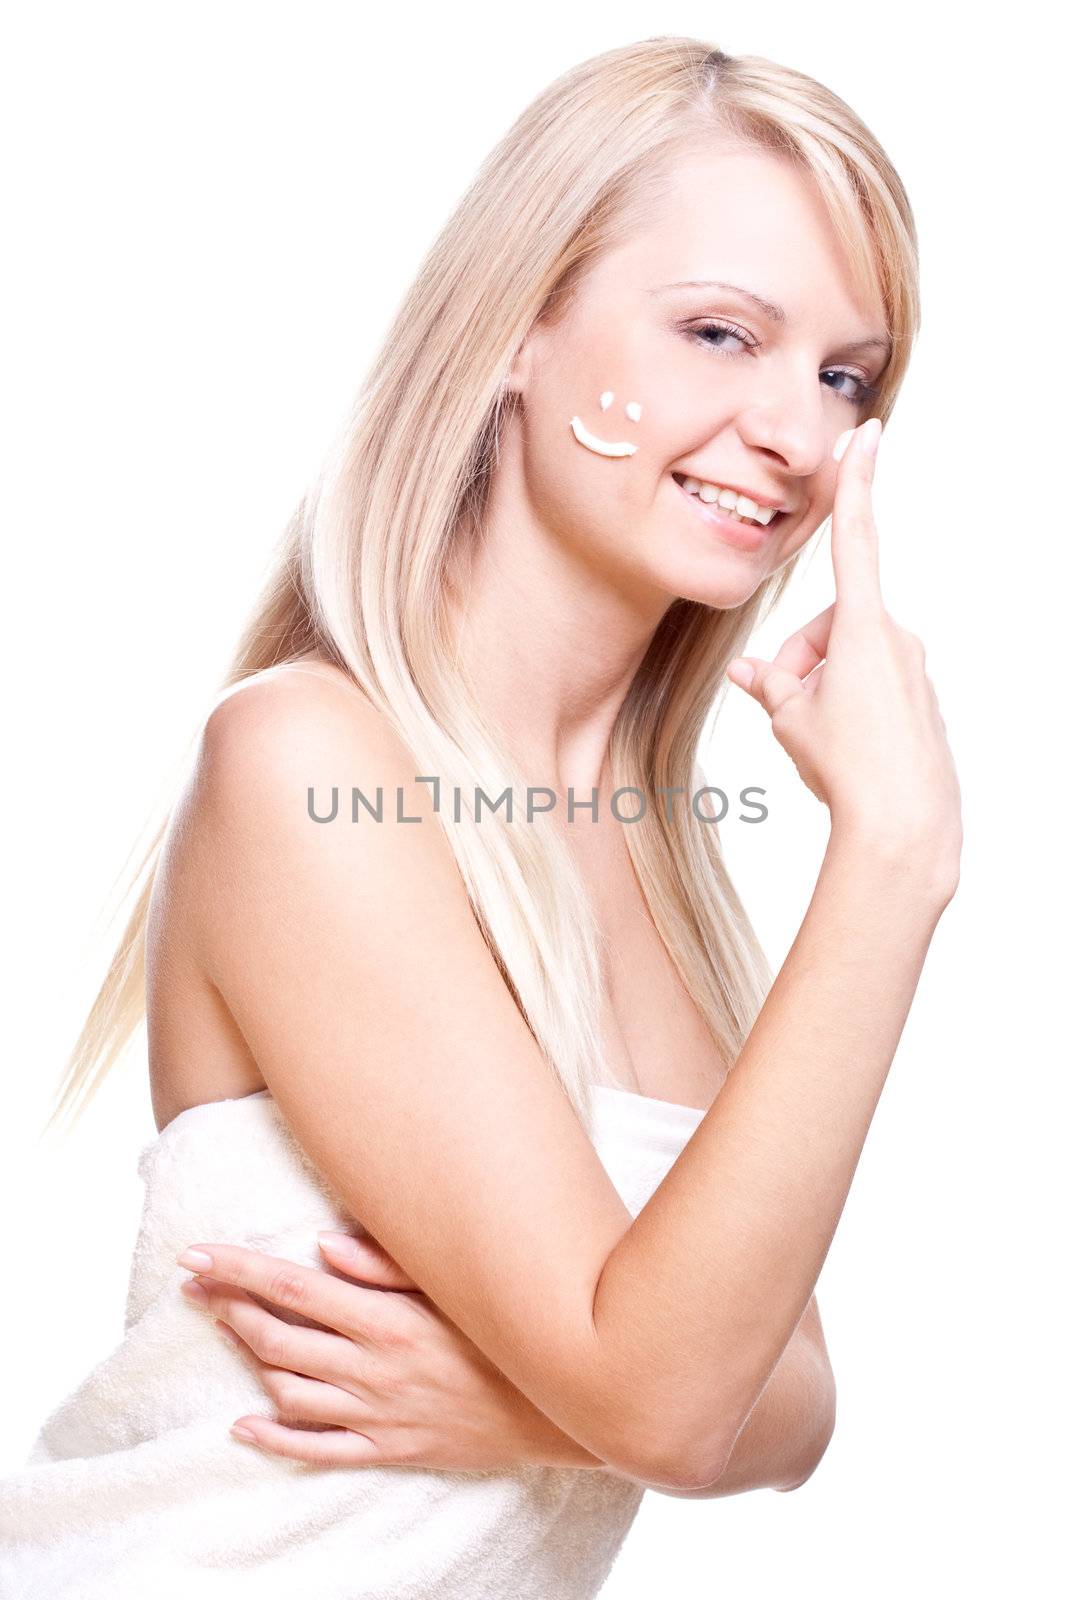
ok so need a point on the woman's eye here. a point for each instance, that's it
(861, 394)
(713, 334)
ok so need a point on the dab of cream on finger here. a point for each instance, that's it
(842, 444)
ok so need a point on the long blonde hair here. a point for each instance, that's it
(364, 570)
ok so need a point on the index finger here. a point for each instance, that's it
(309, 1291)
(853, 535)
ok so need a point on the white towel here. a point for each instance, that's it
(135, 1489)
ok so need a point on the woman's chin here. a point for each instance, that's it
(709, 570)
(721, 584)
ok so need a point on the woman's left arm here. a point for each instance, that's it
(394, 1382)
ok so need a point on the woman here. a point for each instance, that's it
(529, 1062)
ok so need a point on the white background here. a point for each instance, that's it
(212, 213)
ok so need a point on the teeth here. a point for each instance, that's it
(739, 505)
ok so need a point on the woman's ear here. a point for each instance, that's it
(523, 361)
(519, 370)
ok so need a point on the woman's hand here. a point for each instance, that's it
(850, 702)
(392, 1383)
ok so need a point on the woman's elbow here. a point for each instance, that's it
(645, 1432)
(659, 1461)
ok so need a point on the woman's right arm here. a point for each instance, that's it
(351, 961)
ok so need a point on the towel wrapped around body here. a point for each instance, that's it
(136, 1490)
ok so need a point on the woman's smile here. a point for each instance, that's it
(743, 535)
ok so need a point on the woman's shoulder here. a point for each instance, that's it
(244, 856)
(303, 722)
(279, 752)
(285, 748)
(310, 687)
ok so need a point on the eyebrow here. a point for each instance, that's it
(770, 308)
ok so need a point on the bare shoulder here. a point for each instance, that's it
(269, 804)
(293, 728)
(289, 708)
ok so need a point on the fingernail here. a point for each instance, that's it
(194, 1291)
(742, 672)
(198, 1260)
(842, 444)
(342, 1244)
(872, 433)
(243, 1433)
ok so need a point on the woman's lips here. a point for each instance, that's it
(743, 535)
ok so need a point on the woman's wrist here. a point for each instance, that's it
(913, 865)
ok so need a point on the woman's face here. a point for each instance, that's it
(729, 392)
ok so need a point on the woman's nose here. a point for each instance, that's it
(798, 439)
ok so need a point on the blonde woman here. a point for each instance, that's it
(584, 1158)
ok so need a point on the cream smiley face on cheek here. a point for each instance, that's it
(606, 447)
